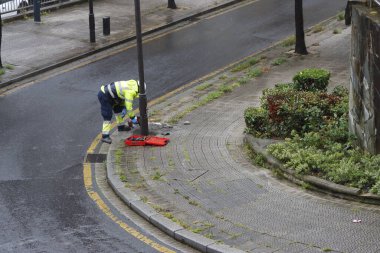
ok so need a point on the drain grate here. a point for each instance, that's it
(96, 158)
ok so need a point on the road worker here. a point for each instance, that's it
(114, 98)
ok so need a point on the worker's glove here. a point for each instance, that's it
(130, 124)
(135, 120)
(123, 112)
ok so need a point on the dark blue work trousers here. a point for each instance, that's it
(108, 104)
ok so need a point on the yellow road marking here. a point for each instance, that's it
(87, 175)
(93, 145)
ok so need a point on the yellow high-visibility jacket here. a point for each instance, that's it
(125, 91)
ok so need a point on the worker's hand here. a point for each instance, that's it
(124, 112)
(135, 120)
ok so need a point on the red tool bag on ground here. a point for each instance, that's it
(140, 140)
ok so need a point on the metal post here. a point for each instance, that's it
(91, 19)
(142, 95)
(106, 26)
(37, 10)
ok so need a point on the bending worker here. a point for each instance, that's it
(115, 97)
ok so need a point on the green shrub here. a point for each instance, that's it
(376, 188)
(314, 124)
(256, 120)
(320, 154)
(203, 86)
(340, 91)
(235, 85)
(315, 154)
(297, 110)
(213, 95)
(245, 65)
(254, 61)
(286, 109)
(255, 72)
(349, 172)
(318, 28)
(290, 41)
(278, 61)
(9, 66)
(312, 80)
(243, 80)
(284, 86)
(225, 88)
(340, 103)
(337, 129)
(340, 16)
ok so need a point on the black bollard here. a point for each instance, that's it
(106, 26)
(37, 11)
(91, 19)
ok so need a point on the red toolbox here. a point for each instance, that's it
(140, 140)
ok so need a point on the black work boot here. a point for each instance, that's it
(123, 128)
(106, 139)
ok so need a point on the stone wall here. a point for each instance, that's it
(365, 77)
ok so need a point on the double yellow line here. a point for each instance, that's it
(88, 179)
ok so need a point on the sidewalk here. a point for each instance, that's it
(203, 181)
(64, 34)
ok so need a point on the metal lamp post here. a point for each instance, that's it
(142, 95)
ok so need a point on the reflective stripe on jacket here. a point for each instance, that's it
(123, 90)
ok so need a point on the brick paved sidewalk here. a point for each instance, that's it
(203, 180)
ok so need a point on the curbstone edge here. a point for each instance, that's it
(143, 209)
(164, 224)
(220, 248)
(317, 184)
(194, 240)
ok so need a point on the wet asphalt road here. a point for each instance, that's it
(45, 129)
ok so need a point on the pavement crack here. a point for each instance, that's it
(199, 176)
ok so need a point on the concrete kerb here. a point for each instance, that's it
(314, 183)
(118, 43)
(171, 228)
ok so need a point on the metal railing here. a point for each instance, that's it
(12, 8)
(372, 2)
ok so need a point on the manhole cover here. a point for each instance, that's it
(96, 158)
